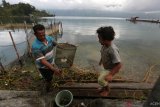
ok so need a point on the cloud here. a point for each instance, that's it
(152, 12)
(113, 5)
(73, 4)
(142, 5)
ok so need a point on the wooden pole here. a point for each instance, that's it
(54, 20)
(53, 31)
(20, 62)
(29, 47)
(2, 67)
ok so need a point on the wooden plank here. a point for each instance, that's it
(132, 86)
(95, 81)
(113, 94)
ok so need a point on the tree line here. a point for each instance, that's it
(18, 12)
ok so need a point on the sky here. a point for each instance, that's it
(147, 6)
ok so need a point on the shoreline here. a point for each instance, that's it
(15, 26)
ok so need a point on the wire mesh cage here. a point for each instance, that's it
(65, 54)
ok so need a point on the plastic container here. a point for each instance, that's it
(64, 98)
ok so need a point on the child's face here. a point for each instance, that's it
(104, 42)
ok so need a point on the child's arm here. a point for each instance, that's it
(113, 71)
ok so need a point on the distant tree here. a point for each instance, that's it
(25, 9)
(41, 13)
(21, 9)
(5, 4)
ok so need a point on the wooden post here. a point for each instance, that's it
(29, 47)
(2, 67)
(54, 20)
(52, 31)
(20, 62)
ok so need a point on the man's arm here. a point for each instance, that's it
(100, 62)
(50, 66)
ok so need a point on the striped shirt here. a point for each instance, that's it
(41, 50)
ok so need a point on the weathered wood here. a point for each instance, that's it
(95, 81)
(34, 99)
(143, 20)
(20, 62)
(113, 94)
(27, 39)
(1, 67)
(117, 90)
(132, 86)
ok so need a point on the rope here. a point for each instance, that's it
(148, 73)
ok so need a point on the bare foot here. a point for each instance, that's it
(104, 91)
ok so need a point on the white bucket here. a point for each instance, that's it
(64, 98)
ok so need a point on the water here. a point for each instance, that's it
(138, 43)
(7, 51)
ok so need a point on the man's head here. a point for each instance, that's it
(106, 35)
(39, 31)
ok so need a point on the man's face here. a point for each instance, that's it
(40, 34)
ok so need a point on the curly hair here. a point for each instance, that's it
(106, 33)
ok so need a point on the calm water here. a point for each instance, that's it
(7, 51)
(138, 43)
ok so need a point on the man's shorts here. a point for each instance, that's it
(47, 74)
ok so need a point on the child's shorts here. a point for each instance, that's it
(101, 78)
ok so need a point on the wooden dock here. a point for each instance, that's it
(143, 20)
(117, 90)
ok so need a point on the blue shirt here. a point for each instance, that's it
(41, 50)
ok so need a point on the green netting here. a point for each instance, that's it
(65, 54)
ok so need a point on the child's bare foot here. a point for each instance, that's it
(104, 91)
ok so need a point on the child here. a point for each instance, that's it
(110, 58)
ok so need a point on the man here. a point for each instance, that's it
(42, 49)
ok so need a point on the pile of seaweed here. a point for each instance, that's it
(28, 78)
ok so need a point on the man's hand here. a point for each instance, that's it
(51, 67)
(100, 62)
(57, 71)
(109, 77)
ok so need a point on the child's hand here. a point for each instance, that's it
(109, 77)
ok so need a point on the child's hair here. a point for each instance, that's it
(106, 33)
(38, 27)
